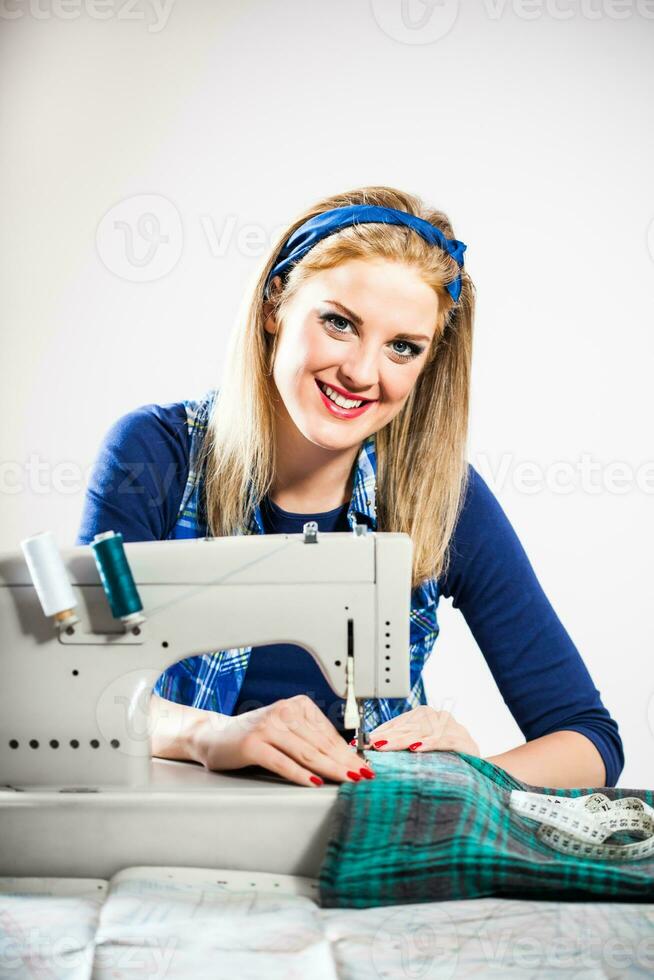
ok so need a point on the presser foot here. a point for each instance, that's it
(360, 735)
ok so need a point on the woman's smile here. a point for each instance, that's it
(338, 410)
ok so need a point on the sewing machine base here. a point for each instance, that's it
(247, 820)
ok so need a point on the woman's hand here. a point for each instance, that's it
(291, 737)
(423, 729)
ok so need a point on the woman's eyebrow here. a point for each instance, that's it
(358, 321)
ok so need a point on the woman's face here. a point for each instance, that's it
(363, 327)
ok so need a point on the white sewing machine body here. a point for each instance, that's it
(80, 793)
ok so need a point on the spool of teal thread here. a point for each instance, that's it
(116, 576)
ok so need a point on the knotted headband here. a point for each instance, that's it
(328, 222)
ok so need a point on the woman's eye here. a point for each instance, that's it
(414, 350)
(332, 317)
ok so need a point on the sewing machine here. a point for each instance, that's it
(181, 833)
(80, 794)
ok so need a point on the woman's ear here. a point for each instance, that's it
(270, 323)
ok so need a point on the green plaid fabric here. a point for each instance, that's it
(434, 826)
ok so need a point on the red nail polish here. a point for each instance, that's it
(415, 745)
(353, 741)
(368, 773)
(316, 779)
(378, 745)
(354, 776)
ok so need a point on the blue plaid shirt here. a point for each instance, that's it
(539, 671)
(213, 680)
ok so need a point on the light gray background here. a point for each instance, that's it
(529, 123)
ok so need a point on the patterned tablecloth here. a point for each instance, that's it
(205, 923)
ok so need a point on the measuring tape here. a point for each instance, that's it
(580, 825)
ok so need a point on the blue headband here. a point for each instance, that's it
(321, 225)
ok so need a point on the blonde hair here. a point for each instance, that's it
(421, 466)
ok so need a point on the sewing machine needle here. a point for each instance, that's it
(359, 733)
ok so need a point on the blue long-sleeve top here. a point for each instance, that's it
(136, 486)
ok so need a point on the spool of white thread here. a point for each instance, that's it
(50, 578)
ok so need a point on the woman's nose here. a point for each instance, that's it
(360, 374)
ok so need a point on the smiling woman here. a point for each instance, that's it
(364, 309)
(345, 400)
(364, 358)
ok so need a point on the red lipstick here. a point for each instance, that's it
(336, 410)
(346, 394)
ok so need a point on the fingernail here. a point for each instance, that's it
(354, 776)
(316, 779)
(368, 773)
(415, 745)
(378, 745)
(353, 741)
